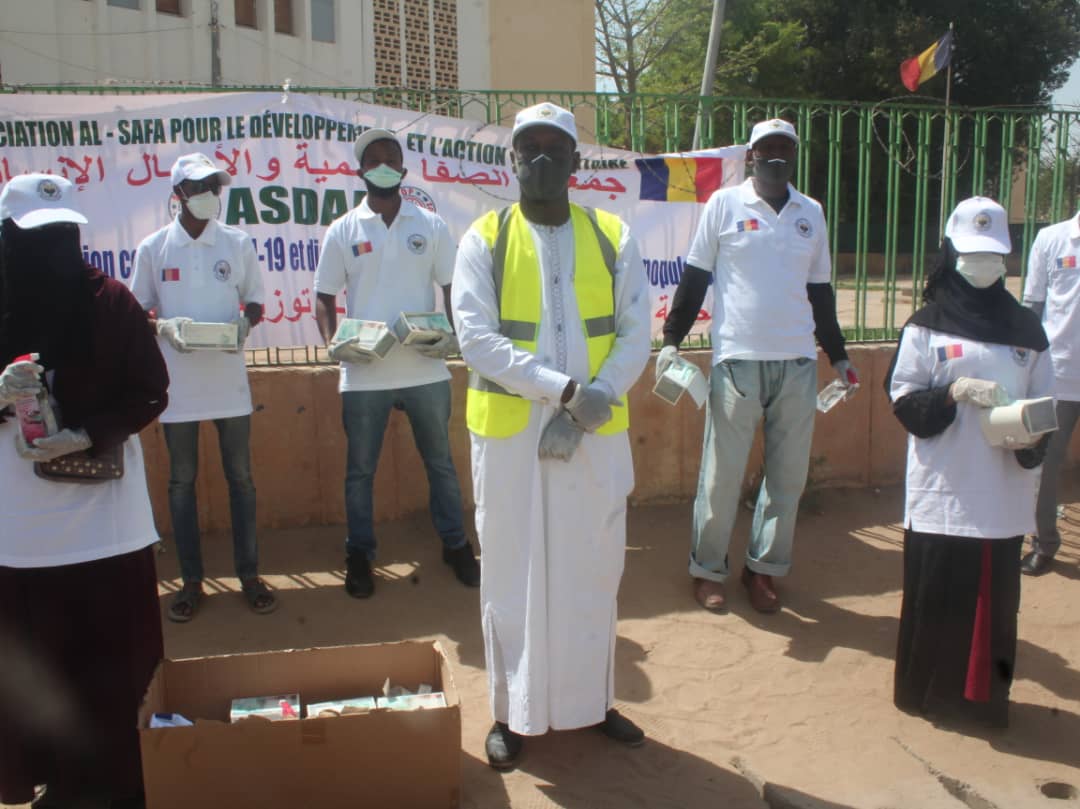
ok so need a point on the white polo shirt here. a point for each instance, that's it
(761, 262)
(1053, 278)
(208, 279)
(386, 271)
(957, 484)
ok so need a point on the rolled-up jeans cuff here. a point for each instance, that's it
(699, 572)
(768, 568)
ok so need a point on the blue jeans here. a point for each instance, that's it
(234, 438)
(1047, 540)
(365, 413)
(741, 392)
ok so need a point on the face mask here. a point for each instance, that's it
(774, 172)
(203, 206)
(382, 176)
(980, 269)
(544, 178)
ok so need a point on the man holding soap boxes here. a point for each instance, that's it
(196, 274)
(389, 257)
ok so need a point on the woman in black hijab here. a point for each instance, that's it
(968, 503)
(80, 627)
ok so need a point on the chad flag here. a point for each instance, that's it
(917, 69)
(679, 178)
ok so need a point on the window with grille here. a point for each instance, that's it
(415, 43)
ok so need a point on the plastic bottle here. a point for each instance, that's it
(33, 411)
(833, 393)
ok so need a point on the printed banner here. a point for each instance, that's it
(294, 172)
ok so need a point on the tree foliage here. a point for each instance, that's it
(1008, 52)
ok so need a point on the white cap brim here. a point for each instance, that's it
(49, 216)
(209, 171)
(978, 243)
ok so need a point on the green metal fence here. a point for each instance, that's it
(877, 169)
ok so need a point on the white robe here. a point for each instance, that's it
(552, 534)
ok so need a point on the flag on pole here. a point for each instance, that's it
(917, 69)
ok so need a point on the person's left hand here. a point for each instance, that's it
(560, 438)
(243, 329)
(440, 349)
(53, 446)
(847, 373)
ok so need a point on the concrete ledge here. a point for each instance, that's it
(298, 447)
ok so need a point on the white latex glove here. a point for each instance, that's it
(347, 351)
(53, 446)
(847, 373)
(1011, 443)
(667, 355)
(560, 438)
(243, 329)
(169, 331)
(590, 407)
(980, 392)
(441, 348)
(18, 380)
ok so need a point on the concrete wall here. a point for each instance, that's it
(298, 447)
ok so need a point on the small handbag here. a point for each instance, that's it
(82, 467)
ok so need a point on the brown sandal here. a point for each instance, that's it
(259, 597)
(186, 602)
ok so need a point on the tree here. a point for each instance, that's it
(629, 39)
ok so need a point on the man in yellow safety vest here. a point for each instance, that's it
(551, 306)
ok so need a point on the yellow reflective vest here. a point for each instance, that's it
(491, 410)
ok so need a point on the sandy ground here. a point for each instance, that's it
(741, 710)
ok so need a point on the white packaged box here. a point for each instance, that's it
(682, 376)
(340, 707)
(368, 336)
(421, 327)
(1020, 423)
(413, 702)
(210, 336)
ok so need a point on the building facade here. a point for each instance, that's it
(419, 44)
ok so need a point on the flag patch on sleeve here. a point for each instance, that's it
(747, 224)
(950, 352)
(170, 274)
(1066, 263)
(360, 248)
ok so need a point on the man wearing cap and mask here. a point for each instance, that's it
(553, 318)
(389, 257)
(197, 269)
(1052, 290)
(764, 247)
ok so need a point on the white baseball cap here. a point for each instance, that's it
(545, 114)
(197, 166)
(979, 225)
(33, 200)
(369, 137)
(774, 126)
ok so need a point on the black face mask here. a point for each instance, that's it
(544, 178)
(774, 172)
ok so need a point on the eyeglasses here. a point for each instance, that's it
(193, 187)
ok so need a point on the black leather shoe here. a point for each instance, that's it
(358, 580)
(503, 747)
(466, 568)
(1036, 564)
(618, 727)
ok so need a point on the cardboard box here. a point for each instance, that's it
(382, 758)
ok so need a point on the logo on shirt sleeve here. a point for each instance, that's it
(417, 243)
(170, 274)
(747, 225)
(804, 228)
(361, 248)
(222, 270)
(950, 352)
(1021, 356)
(1066, 263)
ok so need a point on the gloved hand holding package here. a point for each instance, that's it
(21, 378)
(53, 446)
(590, 406)
(169, 330)
(979, 392)
(445, 346)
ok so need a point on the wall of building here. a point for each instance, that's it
(501, 44)
(298, 448)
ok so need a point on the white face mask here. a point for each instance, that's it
(203, 206)
(382, 176)
(980, 269)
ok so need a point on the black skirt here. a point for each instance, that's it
(80, 643)
(957, 645)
